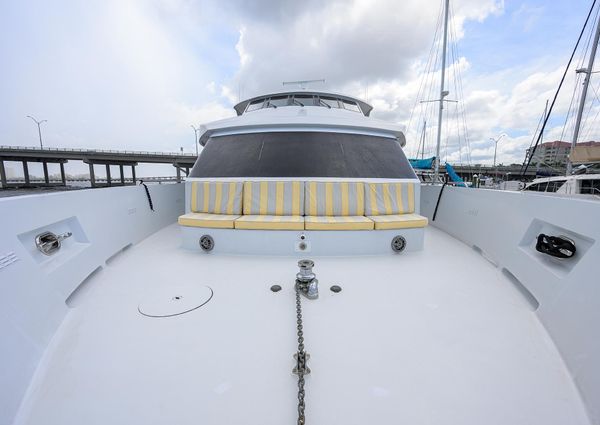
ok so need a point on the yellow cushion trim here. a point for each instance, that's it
(270, 222)
(344, 190)
(337, 223)
(279, 198)
(296, 198)
(247, 197)
(194, 196)
(205, 200)
(360, 198)
(312, 210)
(231, 195)
(399, 197)
(218, 195)
(264, 192)
(387, 199)
(399, 221)
(328, 198)
(411, 197)
(220, 221)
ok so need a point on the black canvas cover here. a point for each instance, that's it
(302, 154)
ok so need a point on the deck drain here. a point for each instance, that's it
(172, 300)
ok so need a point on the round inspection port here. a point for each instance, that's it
(276, 288)
(336, 289)
(172, 300)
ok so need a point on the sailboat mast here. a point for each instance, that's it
(586, 82)
(443, 93)
(423, 139)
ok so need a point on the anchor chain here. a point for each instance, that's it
(301, 358)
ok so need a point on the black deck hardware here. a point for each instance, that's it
(437, 204)
(555, 246)
(148, 195)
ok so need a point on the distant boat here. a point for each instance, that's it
(581, 184)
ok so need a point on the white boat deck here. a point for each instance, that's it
(415, 338)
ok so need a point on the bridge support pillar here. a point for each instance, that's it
(92, 175)
(178, 174)
(108, 179)
(63, 177)
(26, 172)
(2, 174)
(133, 174)
(122, 175)
(46, 177)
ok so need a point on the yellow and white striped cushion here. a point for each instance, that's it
(348, 222)
(217, 221)
(389, 198)
(216, 197)
(268, 222)
(398, 221)
(334, 198)
(274, 198)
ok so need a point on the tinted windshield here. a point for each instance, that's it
(302, 154)
(303, 100)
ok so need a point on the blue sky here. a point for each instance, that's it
(135, 74)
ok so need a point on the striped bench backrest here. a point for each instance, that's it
(334, 198)
(274, 198)
(216, 197)
(389, 198)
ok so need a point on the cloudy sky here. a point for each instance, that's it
(134, 74)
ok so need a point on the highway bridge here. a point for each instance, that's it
(26, 155)
(181, 162)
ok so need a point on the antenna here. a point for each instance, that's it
(302, 83)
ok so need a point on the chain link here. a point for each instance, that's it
(301, 356)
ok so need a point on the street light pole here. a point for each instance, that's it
(496, 145)
(196, 137)
(496, 140)
(39, 128)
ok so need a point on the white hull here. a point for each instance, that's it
(437, 336)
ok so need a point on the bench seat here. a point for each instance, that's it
(349, 222)
(398, 221)
(216, 221)
(270, 222)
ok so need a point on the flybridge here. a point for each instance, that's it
(304, 98)
(302, 111)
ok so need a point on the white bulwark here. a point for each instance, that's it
(190, 304)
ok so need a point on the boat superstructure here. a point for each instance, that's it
(199, 303)
(578, 184)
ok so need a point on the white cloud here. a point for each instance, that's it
(136, 74)
(343, 41)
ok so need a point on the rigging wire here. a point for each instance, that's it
(537, 128)
(461, 95)
(428, 97)
(430, 105)
(426, 93)
(591, 103)
(427, 67)
(459, 106)
(589, 129)
(569, 124)
(559, 87)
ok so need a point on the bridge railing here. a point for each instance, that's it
(48, 149)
